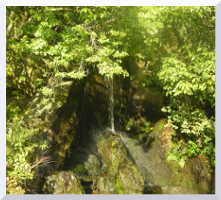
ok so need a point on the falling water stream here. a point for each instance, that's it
(111, 107)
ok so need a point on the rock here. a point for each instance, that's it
(120, 174)
(168, 177)
(93, 165)
(104, 185)
(130, 181)
(63, 182)
(121, 165)
(202, 173)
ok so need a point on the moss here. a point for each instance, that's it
(119, 187)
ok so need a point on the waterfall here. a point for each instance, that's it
(111, 104)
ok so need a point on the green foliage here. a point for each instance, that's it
(188, 79)
(195, 78)
(69, 47)
(24, 145)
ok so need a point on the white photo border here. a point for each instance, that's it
(5, 3)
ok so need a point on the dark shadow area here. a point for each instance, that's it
(87, 185)
(152, 189)
(148, 143)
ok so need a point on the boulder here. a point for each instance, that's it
(63, 182)
(120, 174)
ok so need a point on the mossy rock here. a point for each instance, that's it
(112, 152)
(129, 181)
(93, 165)
(121, 174)
(163, 176)
(104, 185)
(63, 182)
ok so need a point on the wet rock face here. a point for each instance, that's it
(63, 182)
(168, 177)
